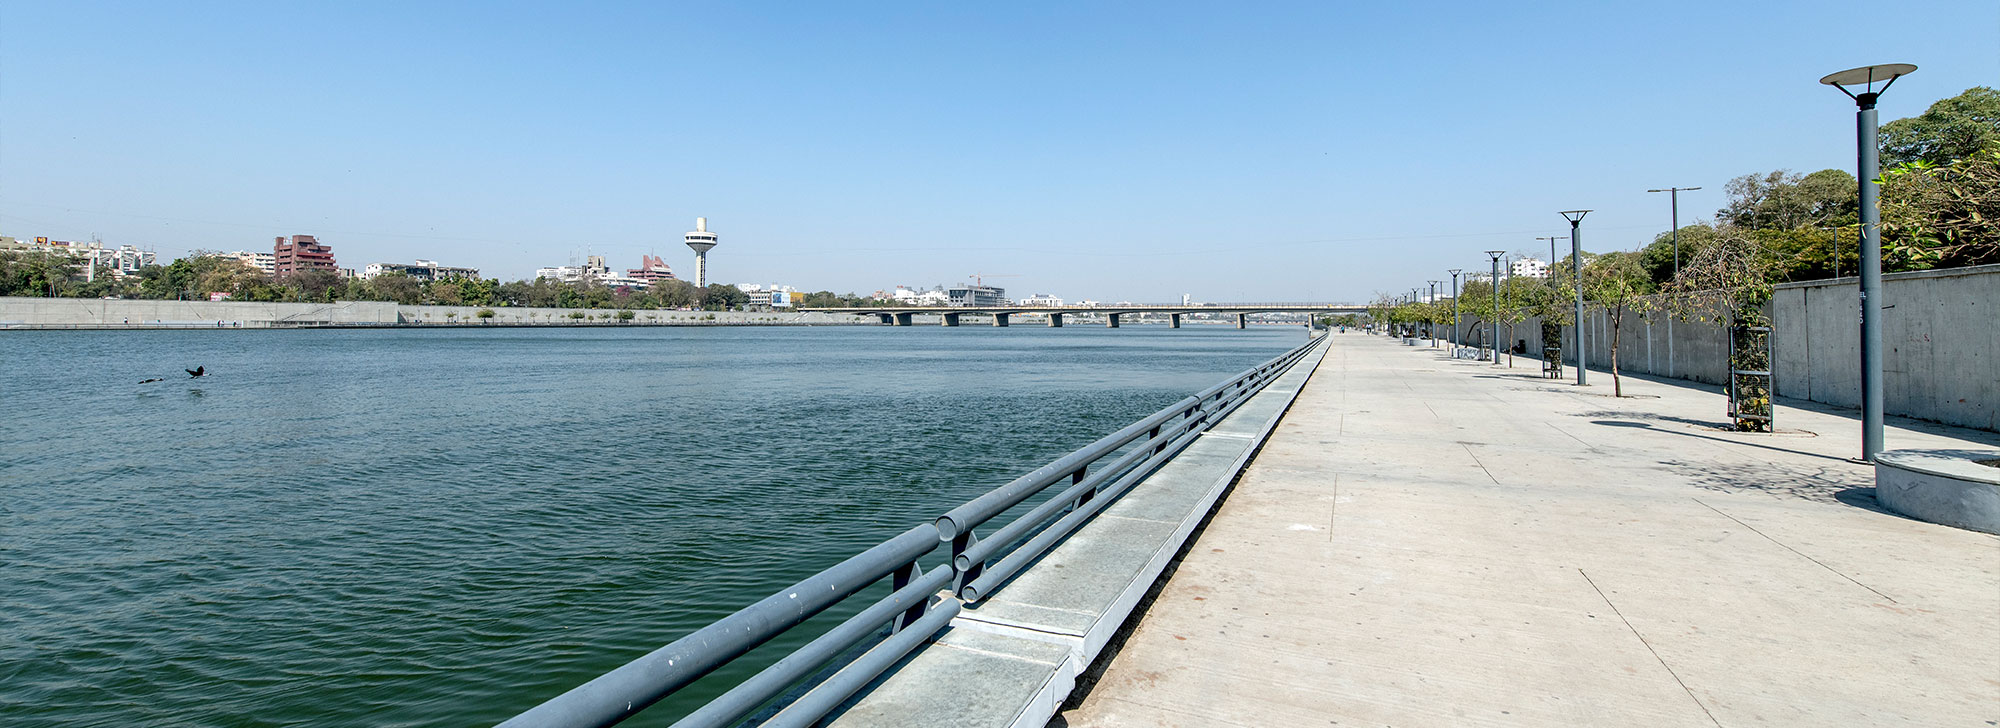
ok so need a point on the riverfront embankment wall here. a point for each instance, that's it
(42, 313)
(1939, 361)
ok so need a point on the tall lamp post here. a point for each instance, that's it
(1455, 342)
(1575, 218)
(1674, 194)
(1494, 340)
(1432, 302)
(1552, 256)
(1871, 238)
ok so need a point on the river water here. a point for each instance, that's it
(446, 527)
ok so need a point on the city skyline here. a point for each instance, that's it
(1304, 153)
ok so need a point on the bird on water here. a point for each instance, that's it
(198, 371)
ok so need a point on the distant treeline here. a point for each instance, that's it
(201, 274)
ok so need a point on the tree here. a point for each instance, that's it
(1785, 200)
(1729, 283)
(1950, 130)
(1942, 216)
(396, 287)
(723, 297)
(317, 286)
(1617, 282)
(25, 273)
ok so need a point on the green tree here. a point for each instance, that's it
(1785, 200)
(1950, 130)
(677, 294)
(723, 297)
(32, 273)
(1942, 215)
(1729, 283)
(1618, 283)
(396, 287)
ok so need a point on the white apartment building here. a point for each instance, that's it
(595, 271)
(1529, 268)
(1042, 299)
(123, 260)
(909, 297)
(263, 260)
(423, 270)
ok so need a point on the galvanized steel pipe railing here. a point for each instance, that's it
(1154, 440)
(910, 610)
(628, 689)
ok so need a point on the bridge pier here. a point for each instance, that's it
(1173, 321)
(999, 319)
(888, 319)
(950, 319)
(1242, 320)
(904, 319)
(1111, 320)
(1055, 320)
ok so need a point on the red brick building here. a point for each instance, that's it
(302, 254)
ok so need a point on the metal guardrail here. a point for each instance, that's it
(917, 607)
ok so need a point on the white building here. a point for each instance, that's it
(123, 260)
(595, 271)
(936, 296)
(423, 270)
(1529, 268)
(774, 295)
(1042, 299)
(263, 260)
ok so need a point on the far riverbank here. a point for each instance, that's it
(86, 313)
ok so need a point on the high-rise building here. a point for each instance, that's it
(1528, 268)
(301, 254)
(701, 240)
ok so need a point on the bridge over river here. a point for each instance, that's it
(1112, 314)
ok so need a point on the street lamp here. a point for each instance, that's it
(1871, 238)
(1552, 255)
(1674, 193)
(1575, 218)
(1427, 324)
(1494, 340)
(1455, 342)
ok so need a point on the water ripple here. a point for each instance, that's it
(446, 527)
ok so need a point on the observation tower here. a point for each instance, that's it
(701, 240)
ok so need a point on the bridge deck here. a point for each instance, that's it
(1433, 542)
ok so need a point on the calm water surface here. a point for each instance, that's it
(425, 528)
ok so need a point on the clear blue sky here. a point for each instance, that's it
(1233, 151)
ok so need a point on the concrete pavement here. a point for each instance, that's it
(1426, 541)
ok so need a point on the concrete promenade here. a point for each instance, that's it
(1430, 542)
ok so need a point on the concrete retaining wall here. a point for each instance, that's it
(1939, 330)
(125, 313)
